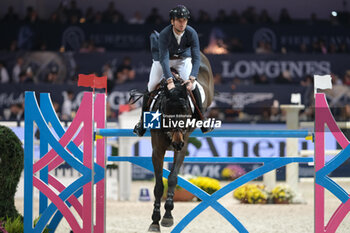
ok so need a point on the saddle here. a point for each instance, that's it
(178, 80)
(160, 91)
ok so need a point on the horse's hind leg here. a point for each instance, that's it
(157, 159)
(168, 220)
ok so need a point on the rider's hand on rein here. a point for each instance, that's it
(189, 83)
(170, 82)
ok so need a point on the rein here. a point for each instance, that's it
(191, 96)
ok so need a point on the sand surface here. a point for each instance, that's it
(135, 216)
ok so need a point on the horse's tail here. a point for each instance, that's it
(135, 95)
(154, 39)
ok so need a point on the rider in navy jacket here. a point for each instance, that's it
(176, 46)
(188, 47)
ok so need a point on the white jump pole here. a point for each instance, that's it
(127, 120)
(292, 170)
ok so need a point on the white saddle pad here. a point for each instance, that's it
(201, 90)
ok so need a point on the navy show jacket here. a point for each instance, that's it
(168, 47)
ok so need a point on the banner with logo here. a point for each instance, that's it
(239, 147)
(244, 67)
(250, 99)
(136, 37)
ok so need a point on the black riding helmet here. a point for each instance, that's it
(179, 12)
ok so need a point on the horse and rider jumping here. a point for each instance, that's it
(176, 53)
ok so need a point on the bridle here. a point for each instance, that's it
(177, 133)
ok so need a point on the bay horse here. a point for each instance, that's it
(171, 103)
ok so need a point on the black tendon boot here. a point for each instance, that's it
(139, 130)
(200, 116)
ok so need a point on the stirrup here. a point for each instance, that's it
(139, 130)
(206, 129)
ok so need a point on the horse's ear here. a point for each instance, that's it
(168, 93)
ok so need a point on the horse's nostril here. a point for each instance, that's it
(182, 144)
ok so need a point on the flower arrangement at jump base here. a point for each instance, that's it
(251, 194)
(282, 194)
(257, 194)
(232, 172)
(207, 184)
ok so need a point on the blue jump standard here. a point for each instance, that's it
(217, 133)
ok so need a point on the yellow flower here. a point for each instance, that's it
(226, 173)
(282, 192)
(251, 193)
(207, 184)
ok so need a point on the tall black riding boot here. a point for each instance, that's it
(139, 130)
(198, 98)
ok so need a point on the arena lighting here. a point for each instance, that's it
(334, 13)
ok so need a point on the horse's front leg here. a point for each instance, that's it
(179, 156)
(157, 160)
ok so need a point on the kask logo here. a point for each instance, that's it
(152, 120)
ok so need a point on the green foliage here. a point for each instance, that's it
(11, 166)
(46, 230)
(195, 142)
(115, 151)
(13, 225)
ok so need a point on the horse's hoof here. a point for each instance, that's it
(154, 228)
(167, 222)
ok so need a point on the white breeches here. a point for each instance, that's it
(183, 66)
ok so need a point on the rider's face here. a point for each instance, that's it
(179, 25)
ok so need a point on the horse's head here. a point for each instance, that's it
(177, 108)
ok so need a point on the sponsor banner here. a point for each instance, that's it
(272, 66)
(136, 37)
(215, 171)
(251, 99)
(236, 147)
(231, 66)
